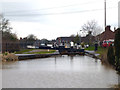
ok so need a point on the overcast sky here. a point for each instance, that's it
(54, 18)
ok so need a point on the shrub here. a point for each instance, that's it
(110, 55)
(117, 49)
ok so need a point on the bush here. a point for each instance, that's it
(110, 55)
(117, 49)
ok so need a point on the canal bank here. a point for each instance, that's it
(102, 56)
(62, 51)
(35, 56)
(92, 54)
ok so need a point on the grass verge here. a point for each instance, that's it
(102, 51)
(22, 51)
(35, 51)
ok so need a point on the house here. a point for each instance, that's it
(63, 40)
(106, 35)
(89, 39)
(44, 42)
(66, 40)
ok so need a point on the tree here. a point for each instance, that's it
(6, 31)
(44, 41)
(31, 39)
(9, 40)
(72, 35)
(117, 49)
(92, 28)
(77, 39)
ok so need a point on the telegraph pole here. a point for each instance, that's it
(105, 13)
(119, 14)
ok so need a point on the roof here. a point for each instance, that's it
(66, 38)
(107, 34)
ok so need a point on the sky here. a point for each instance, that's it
(55, 18)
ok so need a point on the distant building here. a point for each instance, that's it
(106, 35)
(67, 40)
(63, 40)
(88, 39)
(44, 42)
(37, 43)
(23, 43)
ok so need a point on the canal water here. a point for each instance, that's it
(58, 72)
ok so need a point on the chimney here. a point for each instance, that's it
(20, 38)
(107, 27)
(114, 28)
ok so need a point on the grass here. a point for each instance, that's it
(102, 51)
(42, 51)
(103, 55)
(92, 48)
(23, 51)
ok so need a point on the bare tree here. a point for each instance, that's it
(9, 41)
(72, 35)
(6, 30)
(91, 27)
(31, 39)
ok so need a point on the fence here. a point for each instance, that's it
(10, 46)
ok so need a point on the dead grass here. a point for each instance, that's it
(116, 87)
(9, 57)
(103, 55)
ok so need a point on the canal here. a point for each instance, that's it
(58, 72)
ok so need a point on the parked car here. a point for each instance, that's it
(107, 43)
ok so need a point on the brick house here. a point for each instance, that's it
(106, 35)
(88, 39)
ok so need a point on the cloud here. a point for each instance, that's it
(29, 18)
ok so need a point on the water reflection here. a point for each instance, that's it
(71, 57)
(55, 61)
(96, 60)
(58, 72)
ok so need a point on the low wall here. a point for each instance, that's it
(34, 56)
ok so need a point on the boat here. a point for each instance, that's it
(70, 51)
